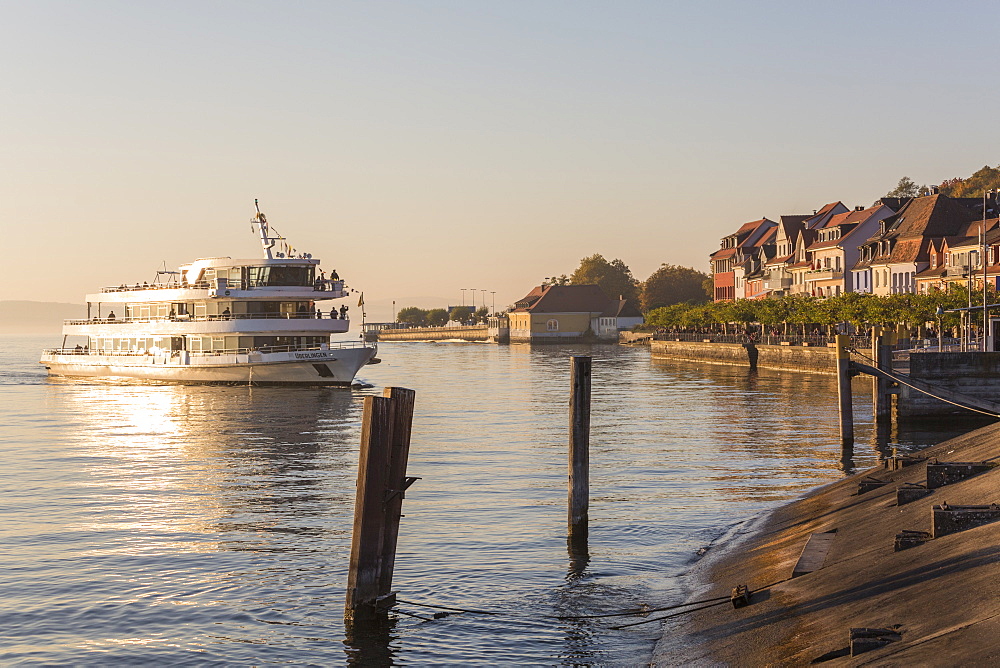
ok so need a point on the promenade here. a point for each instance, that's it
(938, 596)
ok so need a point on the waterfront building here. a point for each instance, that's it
(777, 279)
(835, 249)
(901, 247)
(959, 259)
(820, 218)
(800, 262)
(552, 313)
(734, 250)
(755, 270)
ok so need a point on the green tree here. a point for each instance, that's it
(411, 315)
(987, 178)
(437, 317)
(614, 278)
(461, 313)
(481, 314)
(556, 280)
(906, 187)
(672, 284)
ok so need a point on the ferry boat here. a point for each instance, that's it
(219, 321)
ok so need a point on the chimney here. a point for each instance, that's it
(859, 208)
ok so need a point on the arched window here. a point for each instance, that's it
(552, 325)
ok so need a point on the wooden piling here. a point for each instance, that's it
(369, 518)
(385, 441)
(844, 390)
(397, 483)
(579, 449)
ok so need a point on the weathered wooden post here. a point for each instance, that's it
(579, 450)
(397, 484)
(385, 437)
(844, 390)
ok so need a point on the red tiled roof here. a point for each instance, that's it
(931, 216)
(621, 308)
(937, 272)
(723, 253)
(767, 237)
(909, 250)
(566, 299)
(751, 226)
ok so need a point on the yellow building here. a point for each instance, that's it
(562, 312)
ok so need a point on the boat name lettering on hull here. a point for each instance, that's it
(310, 356)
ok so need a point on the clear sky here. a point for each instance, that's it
(425, 147)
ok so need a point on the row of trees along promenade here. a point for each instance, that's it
(802, 314)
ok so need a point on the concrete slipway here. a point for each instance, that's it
(941, 596)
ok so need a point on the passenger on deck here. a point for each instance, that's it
(111, 315)
(226, 313)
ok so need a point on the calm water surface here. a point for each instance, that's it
(180, 525)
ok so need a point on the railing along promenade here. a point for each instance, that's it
(790, 339)
(864, 342)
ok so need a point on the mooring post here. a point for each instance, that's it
(844, 390)
(579, 450)
(364, 575)
(397, 483)
(876, 380)
(883, 360)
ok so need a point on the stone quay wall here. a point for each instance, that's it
(788, 358)
(471, 333)
(975, 374)
(635, 338)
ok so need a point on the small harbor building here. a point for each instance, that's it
(557, 313)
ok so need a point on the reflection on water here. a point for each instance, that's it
(181, 524)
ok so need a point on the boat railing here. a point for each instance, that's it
(319, 285)
(299, 315)
(199, 285)
(338, 345)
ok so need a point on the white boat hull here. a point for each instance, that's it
(308, 367)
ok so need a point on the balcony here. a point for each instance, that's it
(777, 283)
(825, 275)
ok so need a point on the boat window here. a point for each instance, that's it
(280, 275)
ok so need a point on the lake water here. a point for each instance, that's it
(177, 525)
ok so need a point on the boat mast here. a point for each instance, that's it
(266, 240)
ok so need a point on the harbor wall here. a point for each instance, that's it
(789, 358)
(974, 374)
(635, 338)
(470, 333)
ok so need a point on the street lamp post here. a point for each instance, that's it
(484, 297)
(494, 293)
(463, 295)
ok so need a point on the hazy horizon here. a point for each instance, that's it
(423, 148)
